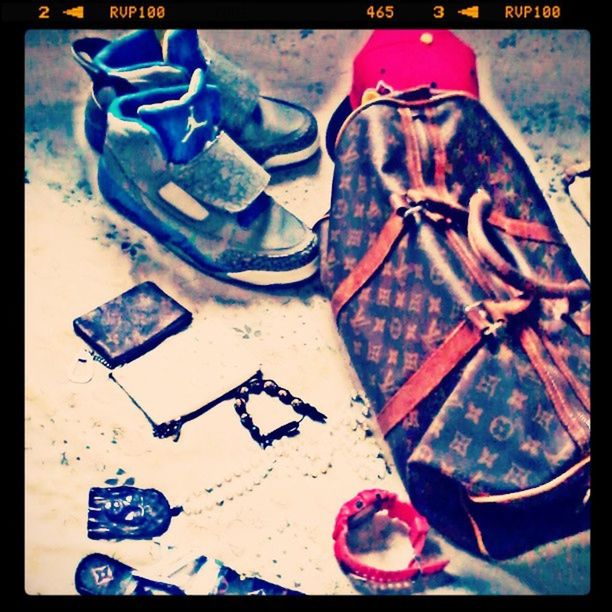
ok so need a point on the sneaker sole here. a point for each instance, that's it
(125, 204)
(266, 278)
(289, 159)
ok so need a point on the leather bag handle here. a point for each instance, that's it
(479, 207)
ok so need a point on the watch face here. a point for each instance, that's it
(127, 512)
(362, 516)
(364, 505)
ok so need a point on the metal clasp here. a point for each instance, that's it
(167, 430)
(409, 207)
(410, 211)
(487, 325)
(366, 513)
(405, 206)
(587, 497)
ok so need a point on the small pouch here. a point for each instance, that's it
(119, 513)
(131, 324)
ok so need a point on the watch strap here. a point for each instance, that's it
(363, 506)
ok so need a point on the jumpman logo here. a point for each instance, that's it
(192, 124)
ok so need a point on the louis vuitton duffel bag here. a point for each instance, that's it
(466, 317)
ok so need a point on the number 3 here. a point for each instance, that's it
(438, 12)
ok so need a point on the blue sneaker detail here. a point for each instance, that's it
(186, 124)
(273, 132)
(210, 207)
(139, 48)
(182, 48)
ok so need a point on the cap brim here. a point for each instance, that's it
(339, 116)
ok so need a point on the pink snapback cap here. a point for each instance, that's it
(397, 60)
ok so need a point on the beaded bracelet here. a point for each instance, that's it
(240, 394)
(257, 385)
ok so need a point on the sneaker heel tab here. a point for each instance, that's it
(84, 52)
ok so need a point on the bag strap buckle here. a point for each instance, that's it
(480, 316)
(405, 206)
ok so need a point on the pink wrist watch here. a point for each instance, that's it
(365, 505)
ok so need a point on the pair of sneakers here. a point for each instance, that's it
(186, 142)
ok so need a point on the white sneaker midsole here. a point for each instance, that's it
(286, 159)
(280, 277)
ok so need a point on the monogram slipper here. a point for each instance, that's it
(99, 574)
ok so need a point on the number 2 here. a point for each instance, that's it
(43, 12)
(438, 12)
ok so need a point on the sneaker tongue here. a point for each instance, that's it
(133, 49)
(182, 48)
(186, 124)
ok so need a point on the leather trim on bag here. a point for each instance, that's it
(532, 345)
(479, 207)
(579, 388)
(528, 230)
(413, 156)
(476, 529)
(456, 244)
(549, 486)
(368, 264)
(318, 222)
(581, 319)
(440, 157)
(438, 364)
(439, 201)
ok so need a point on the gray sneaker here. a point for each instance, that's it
(274, 132)
(168, 167)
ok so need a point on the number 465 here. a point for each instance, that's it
(381, 12)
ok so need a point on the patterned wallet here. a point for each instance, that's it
(131, 324)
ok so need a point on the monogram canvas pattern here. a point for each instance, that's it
(494, 436)
(491, 426)
(126, 326)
